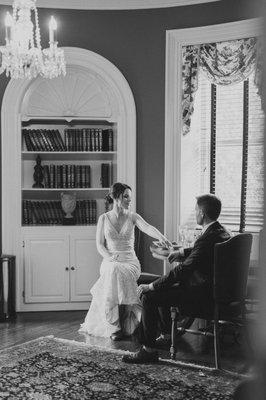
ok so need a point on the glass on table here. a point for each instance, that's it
(186, 236)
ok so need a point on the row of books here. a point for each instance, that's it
(66, 176)
(89, 139)
(43, 140)
(86, 139)
(50, 212)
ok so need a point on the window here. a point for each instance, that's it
(212, 153)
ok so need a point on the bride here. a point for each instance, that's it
(115, 309)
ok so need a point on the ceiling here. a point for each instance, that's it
(112, 4)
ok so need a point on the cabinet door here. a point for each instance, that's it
(85, 264)
(46, 261)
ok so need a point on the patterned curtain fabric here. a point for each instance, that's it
(190, 69)
(230, 62)
(224, 63)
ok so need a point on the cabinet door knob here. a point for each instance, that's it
(67, 269)
(73, 268)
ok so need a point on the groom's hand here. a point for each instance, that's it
(175, 256)
(143, 289)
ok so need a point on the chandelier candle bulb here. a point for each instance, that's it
(52, 30)
(22, 55)
(8, 25)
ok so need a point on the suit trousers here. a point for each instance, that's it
(156, 309)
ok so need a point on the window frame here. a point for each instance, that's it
(175, 40)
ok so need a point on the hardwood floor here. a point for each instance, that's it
(65, 324)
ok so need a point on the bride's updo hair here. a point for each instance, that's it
(116, 190)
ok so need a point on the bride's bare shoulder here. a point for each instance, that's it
(134, 216)
(101, 218)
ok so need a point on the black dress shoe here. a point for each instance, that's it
(116, 336)
(141, 357)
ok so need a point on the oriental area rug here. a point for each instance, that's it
(49, 368)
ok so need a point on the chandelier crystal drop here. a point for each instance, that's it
(22, 56)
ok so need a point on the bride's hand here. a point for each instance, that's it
(165, 242)
(113, 257)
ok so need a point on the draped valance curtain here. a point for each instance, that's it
(224, 63)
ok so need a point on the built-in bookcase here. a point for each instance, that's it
(67, 121)
(74, 156)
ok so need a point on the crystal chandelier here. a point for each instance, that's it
(22, 56)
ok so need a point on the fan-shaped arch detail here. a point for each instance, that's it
(78, 94)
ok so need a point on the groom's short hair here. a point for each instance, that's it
(210, 204)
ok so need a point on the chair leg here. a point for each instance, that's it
(173, 347)
(216, 338)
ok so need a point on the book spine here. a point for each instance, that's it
(64, 175)
(84, 144)
(83, 176)
(46, 176)
(111, 178)
(92, 139)
(25, 219)
(52, 175)
(68, 176)
(32, 135)
(100, 139)
(38, 139)
(72, 176)
(76, 176)
(87, 176)
(90, 212)
(58, 176)
(97, 144)
(36, 216)
(87, 212)
(28, 145)
(48, 212)
(94, 211)
(105, 140)
(78, 212)
(105, 175)
(53, 142)
(70, 140)
(54, 212)
(43, 140)
(40, 212)
(111, 140)
(45, 212)
(66, 139)
(59, 140)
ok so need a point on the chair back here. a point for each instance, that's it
(231, 264)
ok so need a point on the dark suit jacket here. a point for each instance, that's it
(196, 270)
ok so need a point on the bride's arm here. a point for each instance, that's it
(149, 229)
(100, 239)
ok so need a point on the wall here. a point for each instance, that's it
(135, 42)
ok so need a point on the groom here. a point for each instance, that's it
(194, 275)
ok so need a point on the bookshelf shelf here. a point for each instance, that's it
(70, 119)
(62, 189)
(66, 155)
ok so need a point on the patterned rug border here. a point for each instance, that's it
(27, 342)
(50, 367)
(168, 362)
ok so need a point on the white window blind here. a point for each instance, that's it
(195, 174)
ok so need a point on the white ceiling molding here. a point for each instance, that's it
(112, 4)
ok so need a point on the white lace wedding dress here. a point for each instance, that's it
(116, 285)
